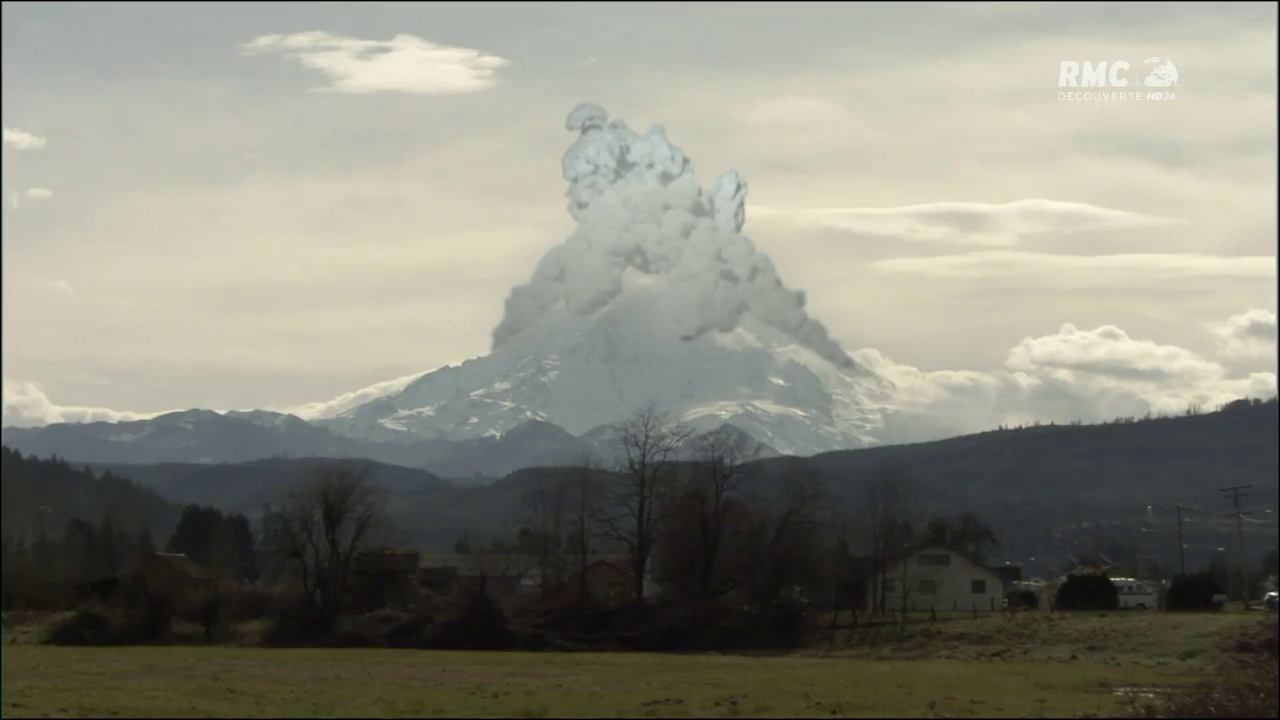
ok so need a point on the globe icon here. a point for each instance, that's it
(1163, 73)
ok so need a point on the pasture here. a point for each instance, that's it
(1059, 665)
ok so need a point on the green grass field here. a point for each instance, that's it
(990, 667)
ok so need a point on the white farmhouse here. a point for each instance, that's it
(942, 579)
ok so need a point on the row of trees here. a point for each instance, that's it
(692, 512)
(696, 528)
(1189, 411)
(84, 552)
(223, 543)
(712, 525)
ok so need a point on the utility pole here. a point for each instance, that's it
(1182, 546)
(1234, 494)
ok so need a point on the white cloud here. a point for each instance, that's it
(970, 223)
(1016, 264)
(26, 405)
(22, 140)
(1251, 334)
(28, 196)
(1074, 374)
(62, 287)
(405, 63)
(346, 401)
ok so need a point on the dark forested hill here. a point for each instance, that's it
(246, 487)
(51, 492)
(1124, 463)
(1033, 485)
(1049, 490)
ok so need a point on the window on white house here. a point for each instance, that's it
(978, 587)
(928, 587)
(940, 559)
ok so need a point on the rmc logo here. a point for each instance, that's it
(1089, 74)
(1162, 74)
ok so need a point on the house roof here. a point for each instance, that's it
(613, 563)
(932, 547)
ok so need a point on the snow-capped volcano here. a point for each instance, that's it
(656, 297)
(584, 372)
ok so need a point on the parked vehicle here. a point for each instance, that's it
(1136, 594)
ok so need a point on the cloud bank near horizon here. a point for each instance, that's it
(1070, 375)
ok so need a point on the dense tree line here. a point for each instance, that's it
(81, 552)
(50, 492)
(224, 544)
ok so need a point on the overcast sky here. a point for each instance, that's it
(236, 205)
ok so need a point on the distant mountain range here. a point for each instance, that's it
(207, 437)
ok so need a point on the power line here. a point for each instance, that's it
(1234, 493)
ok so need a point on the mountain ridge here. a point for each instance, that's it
(1044, 489)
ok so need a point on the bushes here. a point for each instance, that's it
(479, 625)
(1088, 592)
(95, 625)
(1192, 592)
(1023, 600)
(81, 627)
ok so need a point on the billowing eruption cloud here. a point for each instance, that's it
(639, 207)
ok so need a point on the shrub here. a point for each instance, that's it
(82, 627)
(247, 602)
(1023, 600)
(1088, 592)
(302, 629)
(1192, 592)
(480, 624)
(94, 625)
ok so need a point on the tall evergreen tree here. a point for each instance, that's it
(109, 548)
(246, 558)
(144, 545)
(79, 551)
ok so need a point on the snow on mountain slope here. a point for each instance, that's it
(656, 297)
(582, 374)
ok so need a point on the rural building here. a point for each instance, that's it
(607, 581)
(1010, 576)
(383, 578)
(455, 576)
(519, 577)
(942, 579)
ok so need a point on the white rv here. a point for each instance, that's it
(1136, 594)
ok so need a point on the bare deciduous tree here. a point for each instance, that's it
(721, 459)
(583, 516)
(783, 549)
(543, 509)
(884, 496)
(327, 520)
(649, 442)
